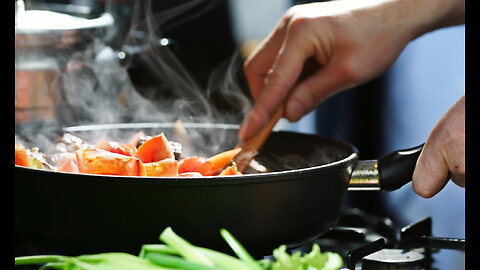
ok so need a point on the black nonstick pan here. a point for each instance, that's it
(297, 201)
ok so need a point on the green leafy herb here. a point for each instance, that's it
(313, 260)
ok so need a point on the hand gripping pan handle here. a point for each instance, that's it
(388, 173)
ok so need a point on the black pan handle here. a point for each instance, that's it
(396, 168)
(388, 173)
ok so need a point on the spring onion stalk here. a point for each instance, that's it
(226, 261)
(102, 261)
(156, 248)
(185, 249)
(176, 262)
(53, 265)
(241, 252)
(38, 259)
(220, 259)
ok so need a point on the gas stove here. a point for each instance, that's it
(366, 241)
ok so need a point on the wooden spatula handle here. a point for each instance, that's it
(259, 139)
(251, 146)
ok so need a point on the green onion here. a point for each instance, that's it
(185, 249)
(38, 259)
(156, 248)
(225, 261)
(241, 252)
(218, 258)
(176, 262)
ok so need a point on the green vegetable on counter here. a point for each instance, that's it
(178, 253)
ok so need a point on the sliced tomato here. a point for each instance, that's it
(190, 174)
(68, 166)
(191, 164)
(230, 170)
(98, 161)
(163, 168)
(155, 149)
(207, 166)
(21, 157)
(118, 148)
(214, 164)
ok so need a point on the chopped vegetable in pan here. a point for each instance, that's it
(178, 253)
(142, 156)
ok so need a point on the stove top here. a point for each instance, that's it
(367, 242)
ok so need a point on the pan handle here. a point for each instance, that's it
(388, 173)
(396, 168)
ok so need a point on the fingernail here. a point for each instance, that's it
(295, 110)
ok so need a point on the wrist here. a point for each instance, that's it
(430, 15)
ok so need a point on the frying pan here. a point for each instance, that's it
(297, 201)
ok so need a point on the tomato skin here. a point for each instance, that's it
(191, 164)
(21, 157)
(118, 148)
(155, 149)
(98, 161)
(216, 163)
(164, 168)
(207, 166)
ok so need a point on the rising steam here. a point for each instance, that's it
(96, 87)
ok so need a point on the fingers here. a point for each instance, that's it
(262, 58)
(310, 92)
(276, 83)
(443, 156)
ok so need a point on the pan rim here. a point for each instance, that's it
(206, 180)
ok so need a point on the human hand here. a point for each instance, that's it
(443, 156)
(352, 41)
(346, 40)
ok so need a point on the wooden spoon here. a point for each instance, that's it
(251, 146)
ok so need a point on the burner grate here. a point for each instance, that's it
(412, 251)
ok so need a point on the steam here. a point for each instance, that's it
(191, 102)
(97, 89)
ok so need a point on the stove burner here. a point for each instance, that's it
(366, 241)
(398, 259)
(412, 250)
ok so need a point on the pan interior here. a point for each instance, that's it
(281, 152)
(292, 151)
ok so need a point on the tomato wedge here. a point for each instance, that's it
(191, 164)
(21, 157)
(207, 166)
(230, 170)
(98, 161)
(155, 149)
(165, 167)
(217, 162)
(118, 148)
(68, 166)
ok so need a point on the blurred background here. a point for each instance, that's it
(207, 42)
